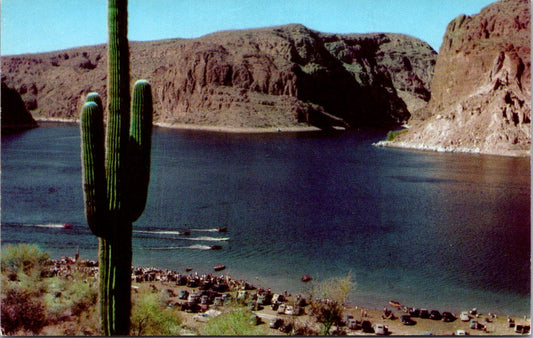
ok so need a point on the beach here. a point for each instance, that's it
(219, 285)
(198, 127)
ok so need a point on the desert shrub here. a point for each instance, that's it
(235, 322)
(328, 299)
(152, 316)
(23, 258)
(21, 311)
(69, 297)
(393, 134)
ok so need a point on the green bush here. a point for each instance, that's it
(152, 316)
(69, 297)
(236, 322)
(328, 299)
(23, 258)
(393, 134)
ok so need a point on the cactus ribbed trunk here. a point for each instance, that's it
(116, 172)
(115, 250)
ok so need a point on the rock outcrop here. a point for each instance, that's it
(15, 116)
(272, 77)
(481, 90)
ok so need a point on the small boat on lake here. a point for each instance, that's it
(222, 229)
(219, 267)
(67, 226)
(306, 278)
(188, 269)
(395, 304)
(215, 247)
(184, 233)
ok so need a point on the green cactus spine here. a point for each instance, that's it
(115, 172)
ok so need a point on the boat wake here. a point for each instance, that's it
(207, 230)
(194, 247)
(205, 238)
(201, 238)
(53, 226)
(160, 232)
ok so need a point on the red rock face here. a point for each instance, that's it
(481, 90)
(271, 77)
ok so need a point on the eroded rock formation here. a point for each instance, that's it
(481, 90)
(272, 77)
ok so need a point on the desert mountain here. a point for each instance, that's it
(272, 77)
(15, 116)
(481, 90)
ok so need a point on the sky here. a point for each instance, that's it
(31, 26)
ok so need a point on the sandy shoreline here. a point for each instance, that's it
(451, 149)
(220, 129)
(163, 280)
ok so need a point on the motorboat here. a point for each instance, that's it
(396, 304)
(222, 229)
(215, 247)
(67, 226)
(306, 278)
(219, 267)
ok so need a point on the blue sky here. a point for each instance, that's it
(29, 26)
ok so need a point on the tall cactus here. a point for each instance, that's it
(115, 172)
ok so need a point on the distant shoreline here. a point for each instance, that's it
(451, 149)
(220, 129)
(267, 130)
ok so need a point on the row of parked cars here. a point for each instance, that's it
(425, 314)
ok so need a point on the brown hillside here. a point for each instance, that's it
(272, 77)
(481, 90)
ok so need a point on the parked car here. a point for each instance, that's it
(474, 324)
(464, 316)
(219, 301)
(275, 323)
(435, 315)
(448, 317)
(193, 298)
(366, 326)
(424, 313)
(347, 319)
(523, 329)
(414, 312)
(381, 329)
(406, 320)
(183, 294)
(353, 324)
(277, 298)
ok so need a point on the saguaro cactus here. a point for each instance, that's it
(115, 172)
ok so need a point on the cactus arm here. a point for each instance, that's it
(139, 148)
(93, 169)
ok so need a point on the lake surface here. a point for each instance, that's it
(439, 231)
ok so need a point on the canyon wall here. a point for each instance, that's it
(272, 77)
(481, 89)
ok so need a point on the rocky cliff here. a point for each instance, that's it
(15, 116)
(481, 90)
(272, 77)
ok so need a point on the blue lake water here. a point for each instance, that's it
(443, 231)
